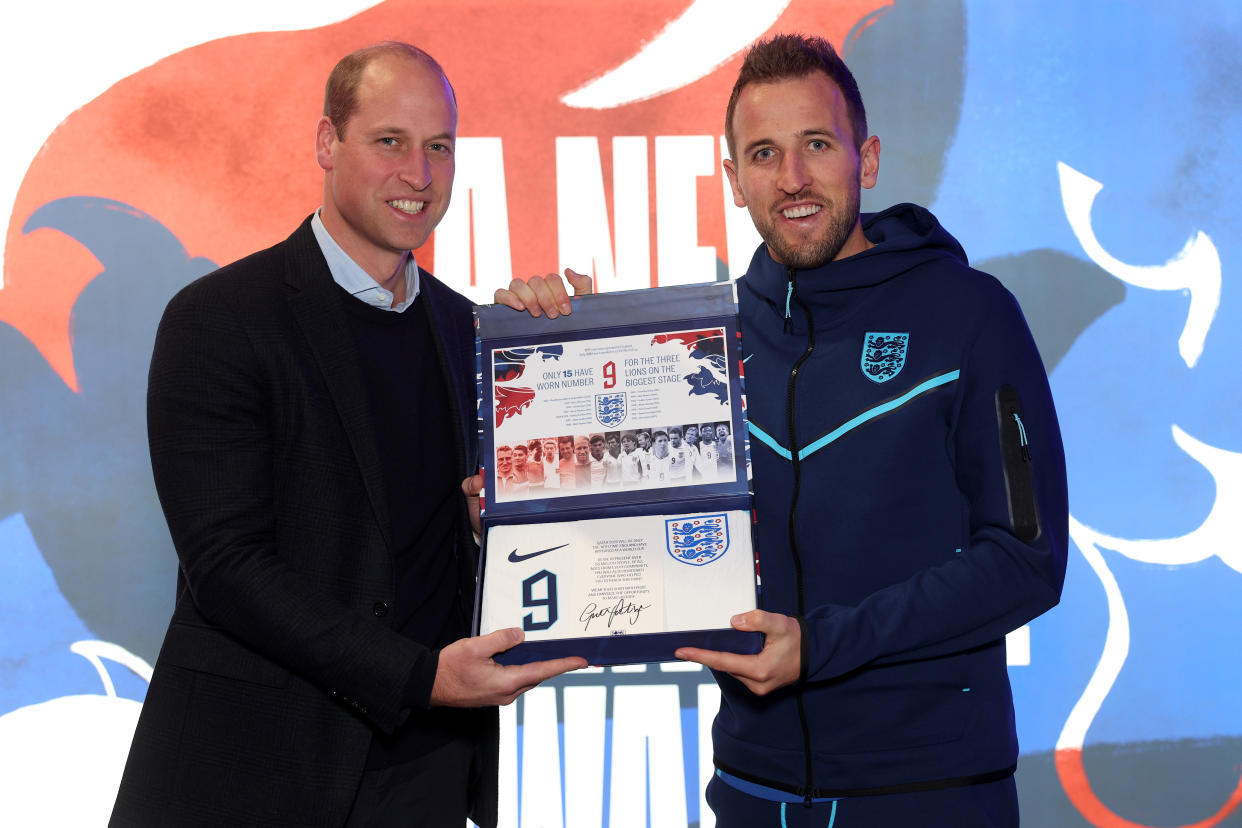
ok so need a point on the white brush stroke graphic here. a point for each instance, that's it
(1217, 535)
(62, 759)
(1196, 268)
(691, 47)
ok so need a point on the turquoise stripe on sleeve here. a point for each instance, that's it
(845, 428)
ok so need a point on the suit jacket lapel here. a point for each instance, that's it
(315, 304)
(459, 379)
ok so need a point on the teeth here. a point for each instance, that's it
(407, 206)
(801, 212)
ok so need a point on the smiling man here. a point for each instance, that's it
(908, 480)
(909, 484)
(311, 419)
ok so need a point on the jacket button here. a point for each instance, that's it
(380, 609)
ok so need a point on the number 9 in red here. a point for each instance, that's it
(610, 374)
(531, 601)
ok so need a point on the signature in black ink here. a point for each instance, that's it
(624, 606)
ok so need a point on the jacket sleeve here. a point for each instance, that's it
(211, 416)
(1010, 470)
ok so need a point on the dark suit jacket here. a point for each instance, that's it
(279, 662)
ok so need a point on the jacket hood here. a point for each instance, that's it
(904, 236)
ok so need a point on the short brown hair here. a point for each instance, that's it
(785, 56)
(340, 94)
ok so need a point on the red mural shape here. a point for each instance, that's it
(216, 142)
(1073, 776)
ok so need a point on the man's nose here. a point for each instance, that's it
(794, 176)
(417, 170)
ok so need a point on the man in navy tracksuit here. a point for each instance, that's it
(909, 485)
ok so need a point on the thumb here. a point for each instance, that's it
(501, 640)
(580, 282)
(752, 620)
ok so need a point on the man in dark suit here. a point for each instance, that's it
(311, 416)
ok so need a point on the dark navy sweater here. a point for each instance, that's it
(909, 487)
(409, 404)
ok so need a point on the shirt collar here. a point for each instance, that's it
(357, 282)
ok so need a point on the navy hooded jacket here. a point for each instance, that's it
(909, 487)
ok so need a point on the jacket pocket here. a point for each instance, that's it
(897, 707)
(1016, 461)
(209, 650)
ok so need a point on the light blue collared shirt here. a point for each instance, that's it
(356, 281)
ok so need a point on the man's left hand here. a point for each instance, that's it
(778, 664)
(543, 294)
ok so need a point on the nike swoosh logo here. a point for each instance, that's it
(516, 558)
(747, 359)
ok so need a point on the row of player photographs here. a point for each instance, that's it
(645, 458)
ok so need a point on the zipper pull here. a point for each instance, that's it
(1022, 441)
(788, 326)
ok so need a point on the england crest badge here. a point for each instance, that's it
(884, 355)
(610, 409)
(697, 540)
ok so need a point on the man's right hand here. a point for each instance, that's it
(543, 294)
(468, 676)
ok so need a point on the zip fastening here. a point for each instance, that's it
(792, 294)
(787, 327)
(1022, 441)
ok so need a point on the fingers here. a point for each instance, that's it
(778, 664)
(760, 673)
(518, 296)
(772, 624)
(550, 295)
(505, 296)
(531, 295)
(468, 676)
(534, 673)
(473, 485)
(531, 673)
(731, 663)
(541, 295)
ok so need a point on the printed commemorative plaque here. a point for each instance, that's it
(616, 510)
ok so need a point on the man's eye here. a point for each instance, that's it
(819, 146)
(388, 141)
(444, 148)
(763, 154)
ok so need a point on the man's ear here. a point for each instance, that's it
(869, 163)
(731, 173)
(325, 143)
